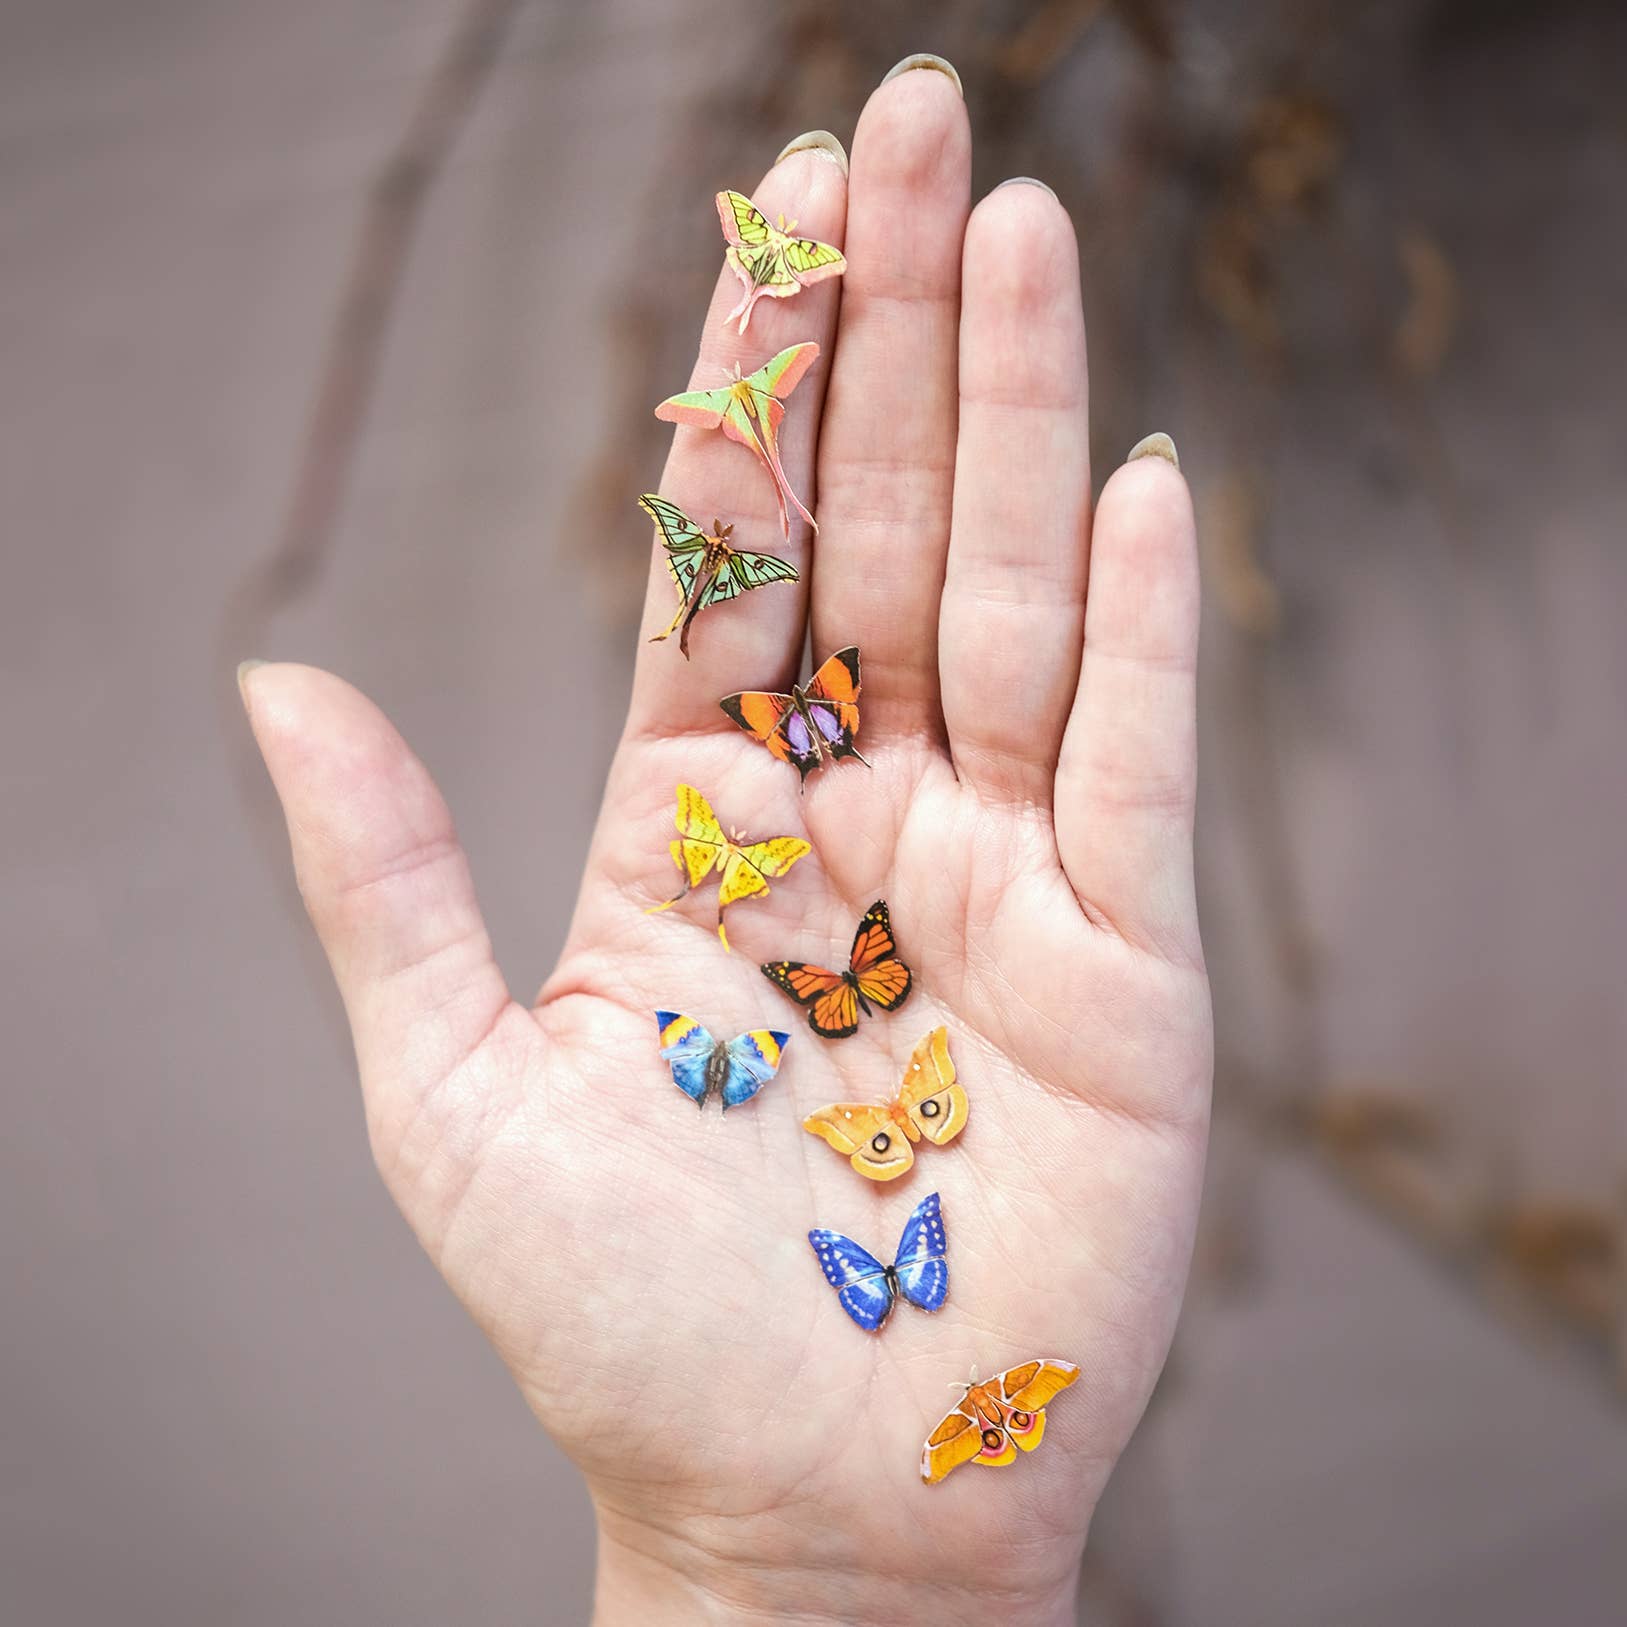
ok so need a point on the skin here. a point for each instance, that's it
(1029, 711)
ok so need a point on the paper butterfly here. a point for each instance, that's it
(867, 1288)
(929, 1103)
(743, 867)
(706, 566)
(734, 1069)
(816, 720)
(770, 262)
(875, 977)
(749, 411)
(995, 1418)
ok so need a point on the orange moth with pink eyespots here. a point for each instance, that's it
(995, 1419)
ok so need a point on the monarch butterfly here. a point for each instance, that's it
(875, 977)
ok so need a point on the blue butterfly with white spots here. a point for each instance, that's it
(734, 1070)
(867, 1288)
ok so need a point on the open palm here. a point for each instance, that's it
(1028, 712)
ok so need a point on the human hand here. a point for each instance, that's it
(1028, 709)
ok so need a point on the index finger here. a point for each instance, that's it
(756, 640)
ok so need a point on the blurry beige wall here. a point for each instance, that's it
(1357, 272)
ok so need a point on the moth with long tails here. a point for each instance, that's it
(707, 567)
(750, 410)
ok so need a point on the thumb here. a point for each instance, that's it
(387, 886)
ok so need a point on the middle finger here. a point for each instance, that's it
(887, 445)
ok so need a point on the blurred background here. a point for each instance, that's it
(330, 332)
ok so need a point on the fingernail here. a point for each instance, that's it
(244, 668)
(1156, 445)
(1026, 180)
(816, 141)
(925, 59)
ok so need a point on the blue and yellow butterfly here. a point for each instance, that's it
(867, 1288)
(735, 1070)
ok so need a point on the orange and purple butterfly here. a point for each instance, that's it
(929, 1104)
(743, 867)
(707, 567)
(867, 1288)
(749, 410)
(733, 1070)
(875, 976)
(816, 720)
(996, 1418)
(771, 262)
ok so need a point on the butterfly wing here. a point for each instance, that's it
(957, 1440)
(832, 699)
(748, 868)
(719, 590)
(679, 533)
(884, 980)
(923, 1274)
(684, 568)
(835, 1014)
(699, 846)
(757, 570)
(868, 1137)
(996, 1456)
(1026, 1435)
(701, 409)
(746, 871)
(781, 374)
(936, 1105)
(1025, 1390)
(859, 1278)
(687, 1049)
(701, 840)
(685, 546)
(744, 224)
(1029, 1387)
(810, 261)
(833, 1004)
(754, 1059)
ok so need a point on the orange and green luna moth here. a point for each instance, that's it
(771, 262)
(749, 410)
(707, 567)
(995, 1418)
(743, 867)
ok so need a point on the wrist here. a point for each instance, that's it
(762, 1569)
